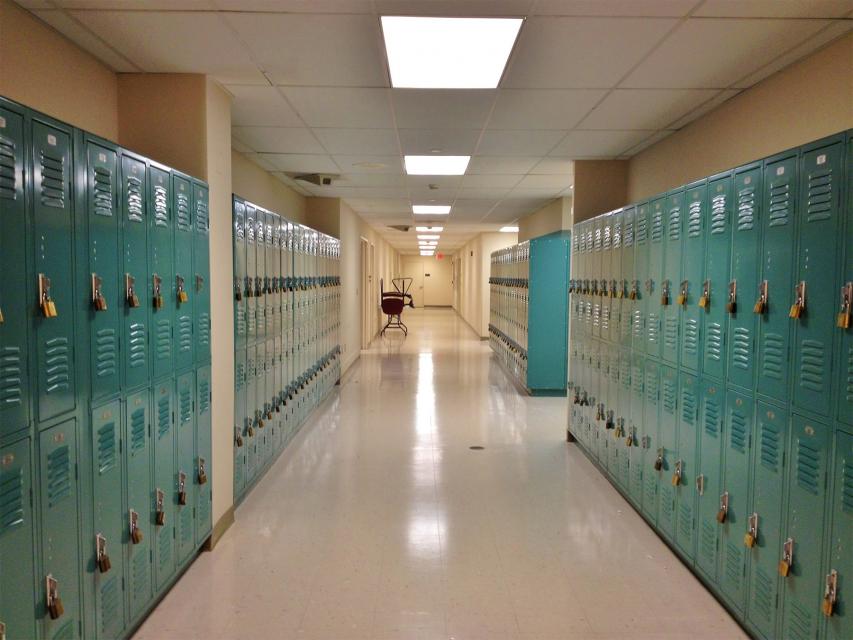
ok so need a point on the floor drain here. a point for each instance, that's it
(476, 447)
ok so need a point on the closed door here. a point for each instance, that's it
(438, 282)
(413, 268)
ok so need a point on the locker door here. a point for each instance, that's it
(808, 467)
(109, 520)
(768, 480)
(184, 485)
(626, 278)
(654, 283)
(261, 402)
(251, 276)
(746, 246)
(624, 421)
(718, 237)
(241, 288)
(779, 243)
(270, 273)
(164, 482)
(240, 413)
(14, 293)
(16, 541)
(596, 270)
(60, 544)
(667, 443)
(204, 456)
(651, 424)
(821, 190)
(138, 460)
(161, 267)
(641, 277)
(201, 268)
(614, 285)
(261, 275)
(740, 419)
(102, 275)
(693, 269)
(272, 416)
(52, 231)
(252, 413)
(844, 371)
(683, 476)
(605, 275)
(671, 311)
(637, 452)
(278, 387)
(184, 286)
(135, 354)
(840, 625)
(708, 483)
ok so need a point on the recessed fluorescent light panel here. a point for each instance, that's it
(436, 165)
(430, 229)
(427, 253)
(426, 244)
(509, 229)
(448, 53)
(431, 209)
(423, 236)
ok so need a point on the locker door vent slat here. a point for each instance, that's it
(694, 219)
(657, 225)
(202, 217)
(847, 484)
(103, 192)
(240, 377)
(741, 347)
(186, 525)
(642, 229)
(52, 188)
(58, 475)
(769, 446)
(674, 224)
(764, 594)
(109, 612)
(719, 220)
(746, 209)
(65, 632)
(812, 363)
(712, 417)
(164, 339)
(628, 237)
(186, 412)
(734, 571)
(779, 213)
(11, 500)
(133, 187)
(773, 356)
(183, 212)
(819, 203)
(8, 175)
(204, 397)
(106, 353)
(652, 328)
(598, 240)
(185, 334)
(808, 466)
(106, 447)
(688, 405)
(669, 395)
(691, 335)
(137, 431)
(161, 206)
(164, 421)
(139, 576)
(800, 622)
(848, 387)
(250, 228)
(637, 380)
(11, 376)
(138, 347)
(164, 548)
(239, 227)
(714, 342)
(58, 366)
(204, 329)
(670, 334)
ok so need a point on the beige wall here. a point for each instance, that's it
(438, 285)
(808, 100)
(554, 216)
(600, 186)
(251, 182)
(472, 297)
(43, 70)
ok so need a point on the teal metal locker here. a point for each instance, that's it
(60, 539)
(684, 475)
(819, 230)
(100, 267)
(109, 520)
(136, 292)
(623, 421)
(278, 387)
(271, 393)
(708, 479)
(656, 458)
(204, 456)
(614, 285)
(241, 277)
(163, 498)
(627, 286)
(746, 247)
(270, 271)
(692, 284)
(808, 471)
(161, 268)
(654, 285)
(241, 435)
(844, 372)
(776, 284)
(606, 274)
(17, 552)
(201, 269)
(252, 299)
(139, 515)
(667, 447)
(53, 275)
(182, 190)
(838, 568)
(261, 403)
(734, 497)
(253, 428)
(672, 287)
(638, 453)
(720, 296)
(184, 486)
(766, 518)
(261, 277)
(15, 297)
(596, 274)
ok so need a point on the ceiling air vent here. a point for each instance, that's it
(399, 227)
(320, 179)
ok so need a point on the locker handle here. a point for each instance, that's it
(844, 315)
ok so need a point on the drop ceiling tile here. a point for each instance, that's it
(302, 163)
(519, 143)
(297, 6)
(775, 8)
(85, 39)
(495, 192)
(341, 108)
(451, 142)
(581, 52)
(371, 180)
(261, 161)
(381, 206)
(442, 182)
(714, 53)
(551, 184)
(544, 194)
(648, 142)
(543, 108)
(278, 139)
(554, 166)
(472, 207)
(139, 5)
(635, 8)
(315, 50)
(489, 180)
(240, 146)
(259, 106)
(709, 106)
(598, 144)
(353, 141)
(505, 214)
(518, 207)
(442, 108)
(461, 8)
(423, 195)
(645, 108)
(185, 42)
(369, 164)
(362, 192)
(501, 164)
(249, 77)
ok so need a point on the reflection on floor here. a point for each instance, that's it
(380, 522)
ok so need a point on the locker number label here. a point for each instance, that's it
(2, 123)
(51, 140)
(102, 157)
(8, 459)
(821, 159)
(780, 171)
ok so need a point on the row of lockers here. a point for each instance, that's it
(509, 294)
(710, 379)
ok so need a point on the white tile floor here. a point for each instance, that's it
(379, 522)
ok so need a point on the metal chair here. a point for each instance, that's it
(393, 303)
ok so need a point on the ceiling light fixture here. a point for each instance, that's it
(430, 229)
(448, 53)
(428, 237)
(509, 229)
(427, 253)
(431, 209)
(436, 165)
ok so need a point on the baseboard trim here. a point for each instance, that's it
(222, 525)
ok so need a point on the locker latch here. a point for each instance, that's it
(799, 306)
(157, 283)
(700, 484)
(830, 593)
(202, 472)
(676, 476)
(54, 602)
(130, 291)
(604, 288)
(664, 294)
(182, 488)
(723, 512)
(594, 290)
(46, 304)
(249, 292)
(631, 439)
(613, 287)
(238, 437)
(609, 422)
(238, 290)
(259, 290)
(787, 558)
(135, 531)
(2, 631)
(635, 290)
(751, 536)
(761, 304)
(160, 507)
(844, 315)
(199, 282)
(181, 289)
(101, 556)
(623, 285)
(731, 305)
(682, 294)
(99, 302)
(705, 298)
(659, 460)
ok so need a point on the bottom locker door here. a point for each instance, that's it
(59, 593)
(250, 442)
(684, 474)
(204, 452)
(802, 588)
(240, 413)
(184, 485)
(624, 420)
(708, 478)
(17, 605)
(765, 519)
(104, 554)
(138, 520)
(278, 388)
(637, 452)
(655, 458)
(667, 444)
(164, 481)
(838, 570)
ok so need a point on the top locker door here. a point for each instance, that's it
(252, 308)
(614, 284)
(277, 280)
(271, 272)
(201, 269)
(845, 367)
(604, 276)
(821, 190)
(671, 283)
(596, 270)
(241, 282)
(641, 278)
(182, 190)
(100, 282)
(719, 295)
(654, 283)
(261, 275)
(161, 267)
(692, 286)
(14, 297)
(626, 277)
(54, 269)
